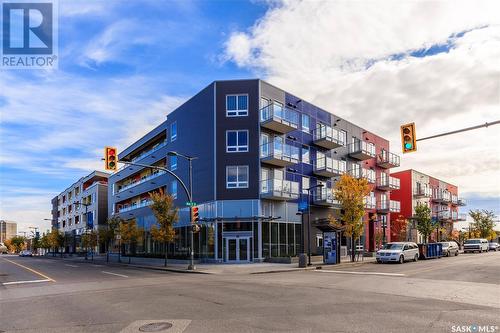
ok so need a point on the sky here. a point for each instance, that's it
(123, 66)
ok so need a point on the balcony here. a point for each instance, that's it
(328, 137)
(395, 206)
(441, 196)
(126, 208)
(370, 202)
(369, 175)
(362, 150)
(145, 153)
(279, 189)
(388, 160)
(422, 191)
(444, 216)
(383, 207)
(142, 180)
(388, 206)
(279, 154)
(388, 183)
(278, 118)
(329, 167)
(324, 197)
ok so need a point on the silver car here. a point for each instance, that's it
(493, 246)
(450, 249)
(398, 252)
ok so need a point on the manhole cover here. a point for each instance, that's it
(155, 327)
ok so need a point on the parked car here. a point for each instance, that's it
(493, 246)
(476, 244)
(398, 252)
(3, 249)
(25, 253)
(450, 249)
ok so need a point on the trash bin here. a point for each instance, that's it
(302, 260)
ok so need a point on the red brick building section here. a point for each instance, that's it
(442, 197)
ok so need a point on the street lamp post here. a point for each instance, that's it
(190, 159)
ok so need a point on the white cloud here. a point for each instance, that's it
(340, 55)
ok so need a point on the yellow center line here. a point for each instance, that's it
(30, 269)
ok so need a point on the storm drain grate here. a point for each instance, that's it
(155, 327)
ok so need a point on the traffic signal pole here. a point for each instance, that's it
(189, 193)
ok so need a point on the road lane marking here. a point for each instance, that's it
(361, 273)
(23, 282)
(125, 276)
(97, 265)
(31, 270)
(69, 265)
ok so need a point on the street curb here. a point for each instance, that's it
(156, 268)
(316, 267)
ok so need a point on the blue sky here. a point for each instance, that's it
(152, 49)
(124, 65)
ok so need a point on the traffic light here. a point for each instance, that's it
(195, 217)
(110, 158)
(408, 138)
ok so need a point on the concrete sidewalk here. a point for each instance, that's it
(203, 268)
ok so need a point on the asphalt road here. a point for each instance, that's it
(427, 296)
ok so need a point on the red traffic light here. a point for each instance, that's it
(110, 158)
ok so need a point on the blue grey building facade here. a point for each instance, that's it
(258, 150)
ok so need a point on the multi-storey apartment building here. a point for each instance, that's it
(8, 229)
(258, 149)
(81, 207)
(441, 197)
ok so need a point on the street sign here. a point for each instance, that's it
(190, 203)
(303, 206)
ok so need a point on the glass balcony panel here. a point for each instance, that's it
(279, 154)
(328, 137)
(278, 118)
(279, 189)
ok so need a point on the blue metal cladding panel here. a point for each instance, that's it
(195, 134)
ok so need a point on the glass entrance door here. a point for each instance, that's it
(237, 249)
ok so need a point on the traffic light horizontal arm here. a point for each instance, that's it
(461, 130)
(189, 195)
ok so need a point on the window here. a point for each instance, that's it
(305, 184)
(173, 163)
(236, 105)
(305, 155)
(237, 176)
(236, 141)
(305, 123)
(173, 131)
(173, 189)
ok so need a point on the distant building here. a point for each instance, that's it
(82, 206)
(8, 229)
(442, 197)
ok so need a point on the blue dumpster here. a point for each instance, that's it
(430, 250)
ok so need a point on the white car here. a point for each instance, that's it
(3, 248)
(25, 253)
(450, 249)
(476, 244)
(398, 252)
